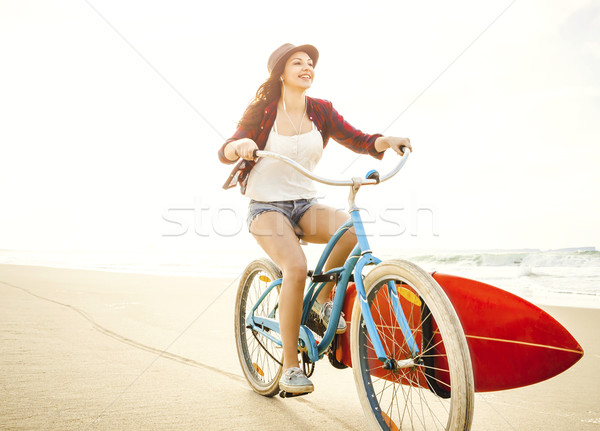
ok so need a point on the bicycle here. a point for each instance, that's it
(409, 354)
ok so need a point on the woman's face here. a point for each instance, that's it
(298, 71)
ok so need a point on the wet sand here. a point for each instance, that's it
(104, 351)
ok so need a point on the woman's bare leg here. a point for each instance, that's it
(319, 223)
(275, 235)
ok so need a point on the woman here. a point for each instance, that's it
(283, 206)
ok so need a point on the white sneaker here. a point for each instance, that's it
(294, 381)
(324, 311)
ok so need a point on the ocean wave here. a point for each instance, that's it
(526, 260)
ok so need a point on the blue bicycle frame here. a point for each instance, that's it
(360, 256)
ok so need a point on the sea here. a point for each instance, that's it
(565, 277)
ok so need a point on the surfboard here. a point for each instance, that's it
(512, 342)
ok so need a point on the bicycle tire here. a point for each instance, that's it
(435, 393)
(260, 358)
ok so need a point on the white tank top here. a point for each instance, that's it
(271, 180)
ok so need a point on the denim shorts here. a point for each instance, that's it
(292, 210)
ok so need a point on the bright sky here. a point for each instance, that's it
(111, 114)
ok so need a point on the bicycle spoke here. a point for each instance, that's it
(259, 355)
(415, 397)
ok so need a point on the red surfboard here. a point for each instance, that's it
(512, 342)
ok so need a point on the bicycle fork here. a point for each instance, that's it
(388, 363)
(367, 258)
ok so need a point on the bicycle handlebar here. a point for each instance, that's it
(309, 174)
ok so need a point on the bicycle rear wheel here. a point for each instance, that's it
(436, 393)
(259, 357)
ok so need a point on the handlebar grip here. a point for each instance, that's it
(254, 153)
(373, 175)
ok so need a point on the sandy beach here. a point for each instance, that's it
(104, 351)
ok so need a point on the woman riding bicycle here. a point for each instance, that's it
(283, 208)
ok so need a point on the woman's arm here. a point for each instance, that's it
(374, 145)
(384, 142)
(229, 152)
(344, 133)
(360, 142)
(243, 148)
(235, 146)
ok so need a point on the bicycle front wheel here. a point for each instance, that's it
(436, 391)
(259, 356)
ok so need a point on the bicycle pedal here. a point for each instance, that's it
(284, 394)
(314, 324)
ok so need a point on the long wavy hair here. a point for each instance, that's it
(269, 91)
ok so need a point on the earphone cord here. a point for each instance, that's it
(287, 115)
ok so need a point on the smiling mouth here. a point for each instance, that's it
(305, 76)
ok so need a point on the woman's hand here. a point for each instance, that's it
(397, 144)
(243, 148)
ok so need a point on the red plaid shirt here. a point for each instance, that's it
(326, 119)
